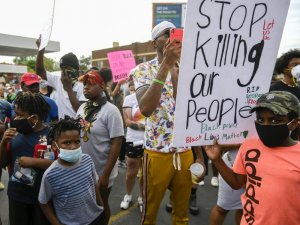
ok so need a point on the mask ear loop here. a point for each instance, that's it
(57, 146)
(292, 125)
(34, 125)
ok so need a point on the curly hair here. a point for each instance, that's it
(32, 103)
(63, 125)
(283, 61)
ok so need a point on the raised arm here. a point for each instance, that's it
(39, 64)
(149, 96)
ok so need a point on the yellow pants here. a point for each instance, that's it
(158, 175)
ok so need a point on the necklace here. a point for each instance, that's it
(290, 85)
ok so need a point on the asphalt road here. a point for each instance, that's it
(206, 198)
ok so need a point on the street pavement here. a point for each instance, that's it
(206, 198)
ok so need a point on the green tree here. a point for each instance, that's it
(29, 61)
(85, 62)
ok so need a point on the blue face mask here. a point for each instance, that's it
(71, 156)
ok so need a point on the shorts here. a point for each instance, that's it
(228, 198)
(100, 220)
(134, 152)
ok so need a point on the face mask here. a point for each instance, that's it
(272, 135)
(71, 156)
(296, 72)
(23, 126)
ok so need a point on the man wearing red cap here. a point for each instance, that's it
(30, 82)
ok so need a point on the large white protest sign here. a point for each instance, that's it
(227, 61)
(46, 33)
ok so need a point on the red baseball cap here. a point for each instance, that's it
(30, 78)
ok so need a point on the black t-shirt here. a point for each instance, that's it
(23, 145)
(280, 86)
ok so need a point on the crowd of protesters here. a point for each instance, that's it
(64, 135)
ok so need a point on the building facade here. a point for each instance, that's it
(142, 53)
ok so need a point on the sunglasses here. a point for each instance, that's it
(166, 34)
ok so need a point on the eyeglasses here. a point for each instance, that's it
(166, 34)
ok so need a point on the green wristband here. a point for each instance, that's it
(158, 81)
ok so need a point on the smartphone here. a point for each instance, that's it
(176, 33)
(72, 73)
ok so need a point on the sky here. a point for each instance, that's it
(82, 26)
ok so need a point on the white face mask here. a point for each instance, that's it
(70, 156)
(296, 72)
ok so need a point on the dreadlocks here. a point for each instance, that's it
(63, 125)
(32, 103)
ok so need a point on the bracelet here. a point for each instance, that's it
(158, 81)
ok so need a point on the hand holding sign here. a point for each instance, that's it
(121, 62)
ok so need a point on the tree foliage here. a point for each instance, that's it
(29, 61)
(85, 62)
(49, 63)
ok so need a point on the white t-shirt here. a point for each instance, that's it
(97, 135)
(62, 99)
(132, 135)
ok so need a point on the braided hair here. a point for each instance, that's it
(32, 103)
(63, 125)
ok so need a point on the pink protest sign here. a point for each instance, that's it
(121, 62)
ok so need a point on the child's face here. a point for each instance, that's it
(20, 115)
(272, 129)
(267, 117)
(69, 140)
(92, 91)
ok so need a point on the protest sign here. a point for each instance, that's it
(121, 62)
(47, 29)
(227, 61)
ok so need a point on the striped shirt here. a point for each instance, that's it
(72, 190)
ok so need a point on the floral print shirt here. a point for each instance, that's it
(159, 126)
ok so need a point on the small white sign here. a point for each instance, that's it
(46, 33)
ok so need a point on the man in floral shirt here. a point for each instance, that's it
(164, 165)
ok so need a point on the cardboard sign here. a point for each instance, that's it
(121, 62)
(227, 61)
(46, 33)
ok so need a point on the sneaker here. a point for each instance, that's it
(214, 182)
(1, 186)
(140, 202)
(122, 164)
(169, 207)
(126, 202)
(201, 183)
(194, 209)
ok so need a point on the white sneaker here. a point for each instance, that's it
(126, 202)
(140, 202)
(214, 182)
(201, 183)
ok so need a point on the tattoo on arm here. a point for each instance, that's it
(134, 126)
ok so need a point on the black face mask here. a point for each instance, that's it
(23, 126)
(272, 135)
